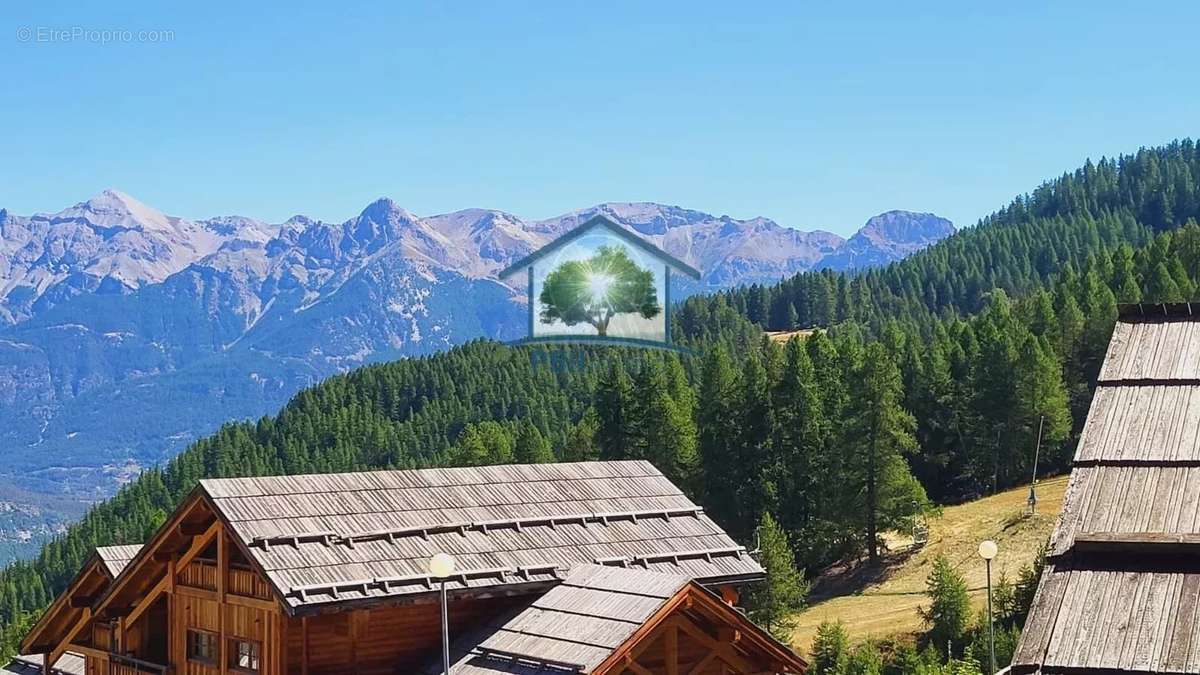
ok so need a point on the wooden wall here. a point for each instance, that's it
(209, 593)
(231, 605)
(380, 641)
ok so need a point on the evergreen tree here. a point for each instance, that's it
(614, 410)
(531, 446)
(830, 650)
(580, 445)
(773, 603)
(884, 431)
(949, 605)
(1041, 403)
(865, 660)
(663, 429)
(719, 419)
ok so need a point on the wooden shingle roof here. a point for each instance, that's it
(115, 558)
(1121, 590)
(572, 628)
(363, 536)
(31, 664)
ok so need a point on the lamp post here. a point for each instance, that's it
(441, 566)
(987, 551)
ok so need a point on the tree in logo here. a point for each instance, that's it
(595, 290)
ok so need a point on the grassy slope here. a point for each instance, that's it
(886, 605)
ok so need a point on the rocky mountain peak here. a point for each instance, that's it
(113, 208)
(887, 237)
(906, 227)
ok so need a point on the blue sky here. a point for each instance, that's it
(812, 115)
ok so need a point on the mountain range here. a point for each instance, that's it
(126, 333)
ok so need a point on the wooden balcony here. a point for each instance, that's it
(127, 665)
(199, 574)
(202, 574)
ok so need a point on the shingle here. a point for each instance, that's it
(572, 628)
(115, 558)
(347, 532)
(1121, 589)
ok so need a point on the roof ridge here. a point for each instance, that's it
(206, 482)
(510, 503)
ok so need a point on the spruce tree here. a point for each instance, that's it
(531, 447)
(883, 431)
(773, 603)
(719, 419)
(614, 411)
(830, 649)
(949, 606)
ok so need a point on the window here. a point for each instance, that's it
(202, 647)
(243, 655)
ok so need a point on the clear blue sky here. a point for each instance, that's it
(811, 115)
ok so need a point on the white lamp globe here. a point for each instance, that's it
(988, 549)
(441, 565)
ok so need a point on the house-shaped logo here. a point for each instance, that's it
(600, 283)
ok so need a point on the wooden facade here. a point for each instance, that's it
(204, 597)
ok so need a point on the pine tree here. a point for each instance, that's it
(1041, 402)
(719, 419)
(830, 650)
(884, 431)
(663, 430)
(801, 435)
(865, 660)
(531, 447)
(614, 410)
(580, 445)
(773, 603)
(1163, 287)
(949, 605)
(756, 490)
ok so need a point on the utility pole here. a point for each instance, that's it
(1037, 451)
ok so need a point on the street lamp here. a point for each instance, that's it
(987, 551)
(441, 565)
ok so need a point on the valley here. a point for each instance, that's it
(126, 334)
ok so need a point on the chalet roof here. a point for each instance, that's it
(571, 629)
(115, 558)
(1115, 617)
(364, 536)
(1121, 589)
(31, 664)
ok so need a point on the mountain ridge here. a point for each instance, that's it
(112, 307)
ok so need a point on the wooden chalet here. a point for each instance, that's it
(1121, 589)
(594, 567)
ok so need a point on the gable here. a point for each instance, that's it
(605, 620)
(69, 608)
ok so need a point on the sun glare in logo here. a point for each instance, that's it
(598, 284)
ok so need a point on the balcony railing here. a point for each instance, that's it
(128, 665)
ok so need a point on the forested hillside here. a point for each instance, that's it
(927, 384)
